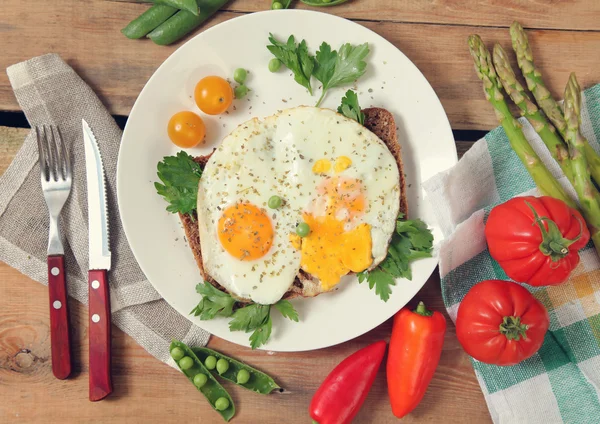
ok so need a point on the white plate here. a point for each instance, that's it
(391, 82)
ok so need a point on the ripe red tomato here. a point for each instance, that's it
(186, 129)
(501, 323)
(213, 95)
(535, 239)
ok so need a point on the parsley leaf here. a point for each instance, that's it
(296, 58)
(349, 65)
(261, 334)
(287, 310)
(412, 240)
(381, 280)
(180, 176)
(350, 107)
(249, 317)
(214, 302)
(256, 318)
(325, 63)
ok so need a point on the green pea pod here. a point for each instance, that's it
(281, 4)
(148, 20)
(189, 5)
(183, 22)
(259, 382)
(211, 390)
(320, 3)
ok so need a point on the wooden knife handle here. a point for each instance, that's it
(59, 318)
(99, 335)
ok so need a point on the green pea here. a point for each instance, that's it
(186, 363)
(222, 404)
(275, 202)
(276, 6)
(243, 377)
(200, 380)
(177, 353)
(210, 362)
(274, 64)
(240, 91)
(303, 229)
(222, 365)
(239, 75)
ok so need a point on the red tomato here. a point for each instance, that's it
(213, 95)
(186, 129)
(501, 323)
(538, 250)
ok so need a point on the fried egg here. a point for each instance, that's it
(330, 172)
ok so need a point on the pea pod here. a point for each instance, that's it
(320, 3)
(259, 382)
(148, 20)
(183, 22)
(211, 390)
(188, 5)
(281, 4)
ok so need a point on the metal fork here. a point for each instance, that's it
(55, 167)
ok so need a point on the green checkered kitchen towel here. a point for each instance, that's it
(561, 383)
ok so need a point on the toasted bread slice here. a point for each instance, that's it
(381, 123)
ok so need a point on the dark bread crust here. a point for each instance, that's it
(378, 121)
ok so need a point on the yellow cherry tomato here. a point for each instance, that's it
(213, 95)
(186, 129)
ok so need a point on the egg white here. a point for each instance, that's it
(275, 156)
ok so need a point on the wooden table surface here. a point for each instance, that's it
(432, 33)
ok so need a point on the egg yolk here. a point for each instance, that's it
(329, 252)
(343, 198)
(321, 166)
(245, 231)
(342, 163)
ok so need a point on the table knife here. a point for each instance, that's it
(99, 265)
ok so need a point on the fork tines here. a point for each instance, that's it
(54, 158)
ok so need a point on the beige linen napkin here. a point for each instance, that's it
(50, 92)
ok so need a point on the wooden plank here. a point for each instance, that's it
(86, 35)
(578, 14)
(151, 391)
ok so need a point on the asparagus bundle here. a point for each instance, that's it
(542, 95)
(544, 180)
(581, 175)
(529, 110)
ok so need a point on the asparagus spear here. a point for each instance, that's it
(529, 110)
(544, 180)
(581, 175)
(544, 99)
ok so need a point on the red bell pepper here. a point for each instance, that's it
(343, 392)
(415, 350)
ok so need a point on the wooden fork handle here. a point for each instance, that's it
(99, 335)
(59, 318)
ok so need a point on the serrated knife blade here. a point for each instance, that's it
(100, 382)
(97, 208)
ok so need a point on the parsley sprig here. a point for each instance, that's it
(253, 317)
(295, 57)
(350, 107)
(412, 240)
(330, 67)
(180, 176)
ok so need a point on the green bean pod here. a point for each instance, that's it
(183, 22)
(321, 3)
(280, 4)
(189, 5)
(148, 21)
(211, 390)
(259, 382)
